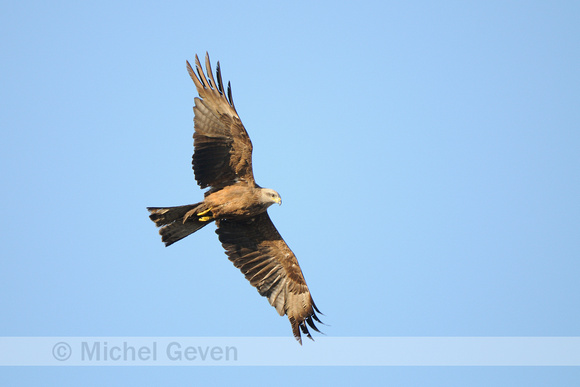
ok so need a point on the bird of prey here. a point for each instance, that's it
(222, 161)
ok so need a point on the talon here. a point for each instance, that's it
(205, 218)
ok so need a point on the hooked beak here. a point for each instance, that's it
(278, 200)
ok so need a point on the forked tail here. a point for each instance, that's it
(175, 223)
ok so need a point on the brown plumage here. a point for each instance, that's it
(222, 161)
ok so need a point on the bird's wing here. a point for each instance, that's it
(223, 150)
(257, 249)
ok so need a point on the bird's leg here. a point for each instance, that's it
(203, 218)
(204, 212)
(200, 215)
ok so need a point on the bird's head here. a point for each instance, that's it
(269, 196)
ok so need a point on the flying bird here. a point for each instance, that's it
(222, 162)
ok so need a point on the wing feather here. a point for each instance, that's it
(223, 149)
(257, 249)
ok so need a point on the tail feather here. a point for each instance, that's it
(173, 223)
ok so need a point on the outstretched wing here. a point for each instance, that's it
(257, 249)
(223, 150)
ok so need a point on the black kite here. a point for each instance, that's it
(222, 160)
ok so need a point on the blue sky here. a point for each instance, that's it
(427, 155)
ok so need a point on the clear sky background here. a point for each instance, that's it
(427, 154)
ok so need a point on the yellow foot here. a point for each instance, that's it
(205, 218)
(204, 212)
